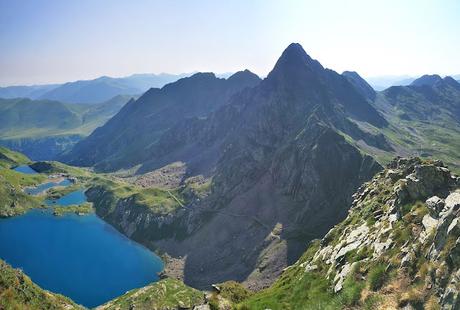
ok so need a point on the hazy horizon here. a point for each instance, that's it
(49, 41)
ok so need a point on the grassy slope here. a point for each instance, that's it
(375, 282)
(426, 139)
(24, 118)
(13, 200)
(420, 125)
(17, 291)
(165, 294)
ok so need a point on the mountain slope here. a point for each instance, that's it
(32, 92)
(279, 169)
(424, 120)
(397, 248)
(124, 141)
(165, 294)
(43, 128)
(104, 88)
(426, 80)
(360, 84)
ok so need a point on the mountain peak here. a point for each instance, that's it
(294, 61)
(295, 53)
(360, 84)
(426, 80)
(451, 82)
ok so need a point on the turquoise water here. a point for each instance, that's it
(73, 198)
(25, 169)
(81, 257)
(42, 187)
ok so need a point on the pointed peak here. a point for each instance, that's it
(295, 52)
(426, 80)
(295, 59)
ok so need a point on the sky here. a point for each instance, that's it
(54, 41)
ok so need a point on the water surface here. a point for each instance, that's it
(25, 169)
(81, 257)
(73, 198)
(45, 186)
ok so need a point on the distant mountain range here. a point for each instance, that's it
(91, 91)
(383, 82)
(128, 138)
(44, 128)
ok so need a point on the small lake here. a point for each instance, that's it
(73, 198)
(25, 169)
(81, 257)
(45, 186)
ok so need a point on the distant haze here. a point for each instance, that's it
(53, 41)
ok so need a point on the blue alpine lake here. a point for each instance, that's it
(73, 198)
(25, 169)
(81, 257)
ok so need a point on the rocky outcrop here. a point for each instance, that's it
(407, 218)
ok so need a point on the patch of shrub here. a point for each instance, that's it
(377, 277)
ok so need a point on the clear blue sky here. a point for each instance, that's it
(43, 41)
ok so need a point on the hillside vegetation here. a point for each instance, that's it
(44, 128)
(398, 247)
(13, 200)
(163, 295)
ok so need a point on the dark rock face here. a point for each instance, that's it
(360, 84)
(124, 140)
(281, 174)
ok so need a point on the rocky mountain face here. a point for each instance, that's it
(360, 84)
(281, 174)
(126, 140)
(398, 247)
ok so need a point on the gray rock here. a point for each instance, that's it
(340, 277)
(453, 201)
(435, 205)
(394, 175)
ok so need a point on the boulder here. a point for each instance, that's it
(453, 201)
(435, 205)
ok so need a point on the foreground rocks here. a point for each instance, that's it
(399, 247)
